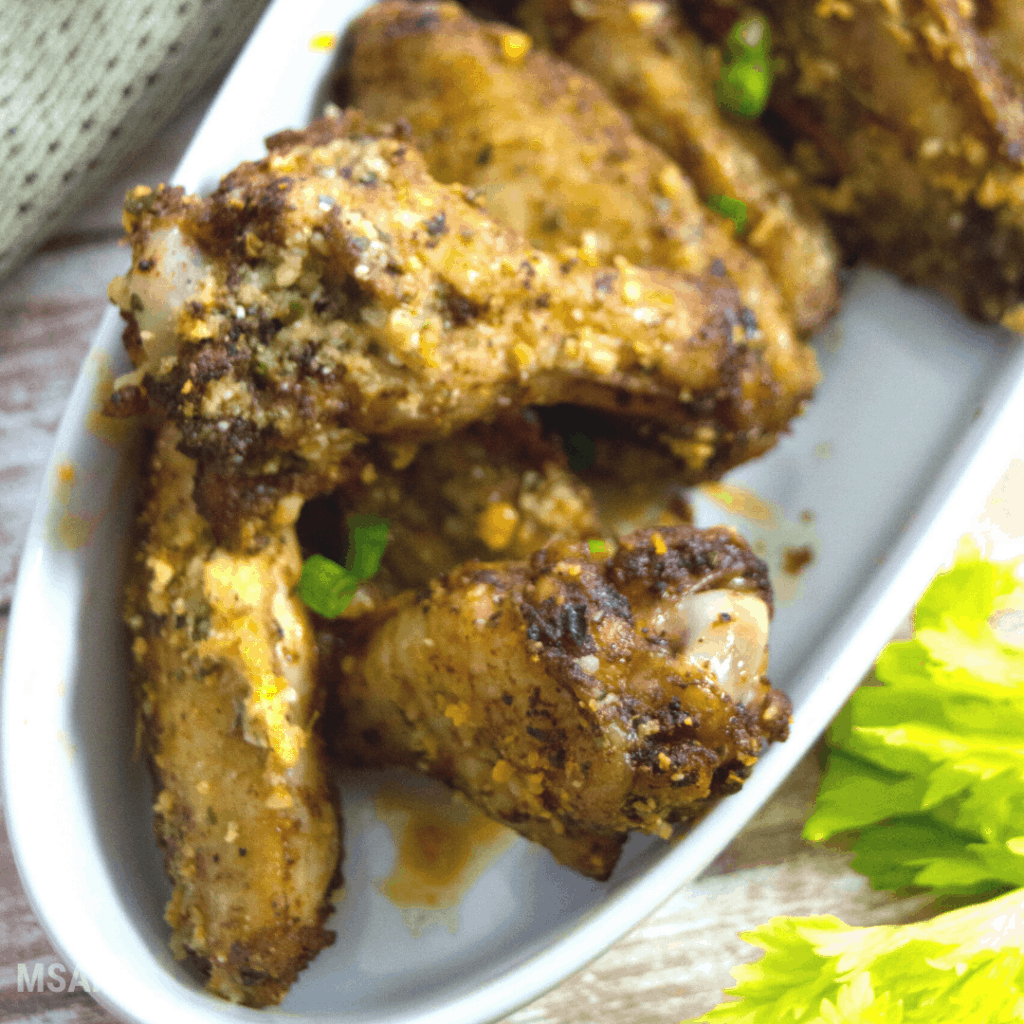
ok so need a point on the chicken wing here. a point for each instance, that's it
(225, 664)
(334, 291)
(578, 695)
(655, 70)
(550, 155)
(913, 132)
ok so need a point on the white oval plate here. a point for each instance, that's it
(911, 428)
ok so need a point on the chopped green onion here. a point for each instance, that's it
(597, 547)
(744, 88)
(368, 536)
(326, 587)
(734, 209)
(746, 79)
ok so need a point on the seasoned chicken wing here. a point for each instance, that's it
(225, 665)
(334, 290)
(577, 695)
(487, 490)
(550, 155)
(656, 70)
(913, 132)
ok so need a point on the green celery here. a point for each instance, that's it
(963, 967)
(927, 770)
(928, 767)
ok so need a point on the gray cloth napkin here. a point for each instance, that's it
(85, 84)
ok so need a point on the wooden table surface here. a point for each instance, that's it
(669, 968)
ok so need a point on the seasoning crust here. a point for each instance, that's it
(225, 672)
(576, 696)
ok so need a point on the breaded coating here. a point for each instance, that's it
(225, 667)
(656, 70)
(575, 696)
(547, 151)
(334, 291)
(914, 133)
(500, 490)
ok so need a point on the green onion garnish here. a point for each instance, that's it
(328, 588)
(368, 536)
(597, 547)
(746, 79)
(734, 209)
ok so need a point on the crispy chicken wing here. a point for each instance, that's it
(225, 662)
(914, 133)
(575, 696)
(655, 69)
(502, 488)
(334, 290)
(550, 155)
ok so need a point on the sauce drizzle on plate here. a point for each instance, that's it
(442, 843)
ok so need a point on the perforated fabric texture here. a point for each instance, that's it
(84, 84)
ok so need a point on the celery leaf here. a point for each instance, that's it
(963, 967)
(927, 767)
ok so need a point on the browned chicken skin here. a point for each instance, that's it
(657, 72)
(550, 155)
(225, 664)
(502, 488)
(335, 291)
(913, 132)
(578, 695)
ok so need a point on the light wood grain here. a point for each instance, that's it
(49, 311)
(48, 314)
